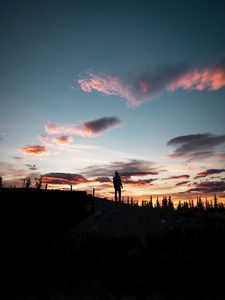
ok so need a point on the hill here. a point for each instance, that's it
(127, 252)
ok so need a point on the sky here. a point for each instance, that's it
(92, 87)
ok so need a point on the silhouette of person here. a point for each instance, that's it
(117, 186)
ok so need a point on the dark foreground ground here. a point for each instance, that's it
(116, 252)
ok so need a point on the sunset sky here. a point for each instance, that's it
(92, 87)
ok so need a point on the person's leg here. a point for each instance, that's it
(115, 195)
(119, 195)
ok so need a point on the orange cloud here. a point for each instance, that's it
(63, 140)
(34, 150)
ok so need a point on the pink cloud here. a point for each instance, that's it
(112, 85)
(44, 139)
(176, 177)
(209, 172)
(63, 140)
(64, 178)
(176, 155)
(221, 156)
(34, 150)
(85, 129)
(151, 85)
(199, 80)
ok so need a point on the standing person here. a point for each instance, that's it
(117, 185)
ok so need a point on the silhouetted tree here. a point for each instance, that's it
(1, 181)
(157, 203)
(200, 204)
(179, 207)
(215, 202)
(27, 182)
(150, 202)
(170, 204)
(164, 202)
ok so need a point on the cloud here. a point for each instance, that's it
(192, 156)
(196, 146)
(64, 178)
(44, 139)
(101, 179)
(36, 150)
(208, 187)
(111, 85)
(182, 183)
(85, 129)
(132, 167)
(176, 177)
(14, 173)
(221, 156)
(209, 172)
(150, 85)
(63, 140)
(138, 182)
(127, 181)
(11, 170)
(18, 158)
(31, 167)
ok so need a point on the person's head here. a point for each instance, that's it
(116, 173)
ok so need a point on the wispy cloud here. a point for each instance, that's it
(209, 172)
(44, 139)
(17, 158)
(137, 182)
(31, 167)
(111, 85)
(176, 177)
(208, 187)
(101, 179)
(64, 178)
(196, 146)
(85, 129)
(132, 167)
(181, 183)
(221, 156)
(36, 150)
(192, 156)
(62, 140)
(150, 85)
